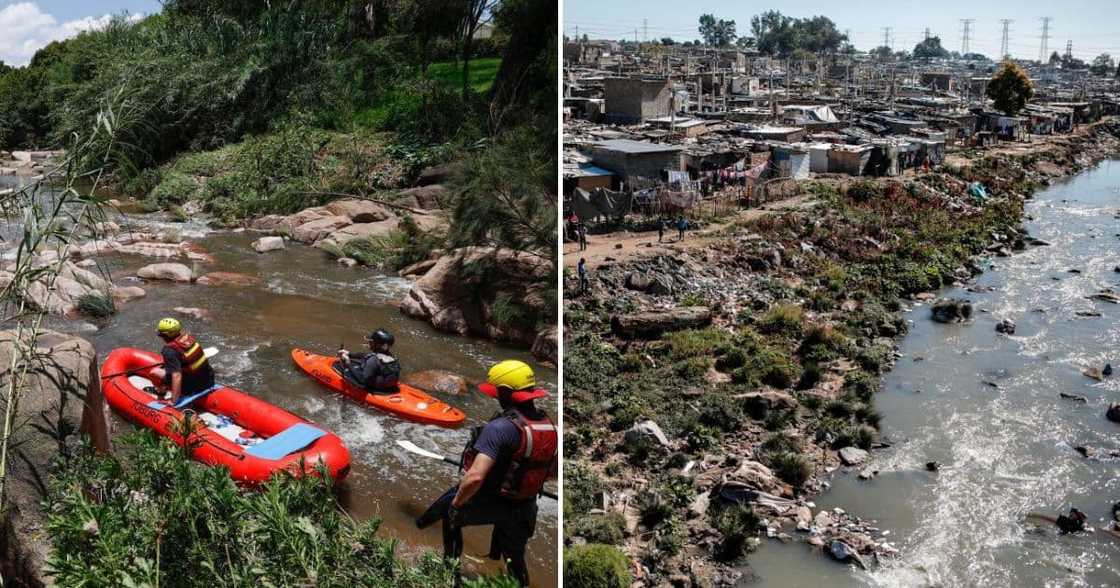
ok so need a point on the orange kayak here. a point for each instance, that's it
(407, 402)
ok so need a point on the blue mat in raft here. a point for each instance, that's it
(288, 441)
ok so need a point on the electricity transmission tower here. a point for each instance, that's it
(645, 30)
(1045, 38)
(1006, 22)
(887, 38)
(967, 24)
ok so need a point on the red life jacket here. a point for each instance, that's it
(532, 463)
(192, 356)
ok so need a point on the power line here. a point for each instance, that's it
(1006, 22)
(967, 23)
(1045, 37)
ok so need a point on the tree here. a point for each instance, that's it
(717, 33)
(1055, 58)
(745, 43)
(777, 34)
(881, 52)
(930, 49)
(668, 41)
(1102, 65)
(1010, 89)
(474, 14)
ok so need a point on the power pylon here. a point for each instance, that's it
(1006, 22)
(1042, 56)
(967, 24)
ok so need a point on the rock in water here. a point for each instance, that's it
(265, 244)
(195, 313)
(1113, 412)
(1006, 326)
(843, 552)
(1073, 397)
(229, 279)
(175, 272)
(853, 456)
(437, 381)
(951, 311)
(546, 346)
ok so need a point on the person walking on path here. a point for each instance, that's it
(660, 229)
(681, 226)
(581, 269)
(582, 229)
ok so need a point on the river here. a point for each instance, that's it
(307, 300)
(1005, 450)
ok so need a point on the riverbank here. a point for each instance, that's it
(696, 381)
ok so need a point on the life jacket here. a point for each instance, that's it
(531, 464)
(388, 372)
(191, 354)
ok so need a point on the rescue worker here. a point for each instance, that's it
(185, 369)
(378, 370)
(505, 465)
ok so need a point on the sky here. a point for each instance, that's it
(28, 25)
(1092, 25)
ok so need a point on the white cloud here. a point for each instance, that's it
(25, 29)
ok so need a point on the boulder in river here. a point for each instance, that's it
(265, 244)
(229, 279)
(347, 261)
(418, 268)
(651, 324)
(126, 293)
(358, 211)
(951, 310)
(1113, 412)
(69, 286)
(312, 231)
(1006, 326)
(546, 345)
(175, 272)
(437, 381)
(851, 456)
(192, 312)
(842, 552)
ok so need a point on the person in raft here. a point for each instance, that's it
(378, 370)
(185, 369)
(505, 465)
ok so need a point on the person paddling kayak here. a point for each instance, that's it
(378, 370)
(185, 369)
(505, 465)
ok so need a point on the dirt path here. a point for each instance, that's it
(605, 248)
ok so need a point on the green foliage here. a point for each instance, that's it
(822, 344)
(777, 34)
(930, 48)
(792, 468)
(865, 190)
(581, 487)
(695, 342)
(162, 519)
(1010, 88)
(483, 71)
(781, 319)
(767, 365)
(607, 529)
(736, 523)
(717, 33)
(596, 566)
(96, 305)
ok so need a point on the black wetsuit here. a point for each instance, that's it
(377, 371)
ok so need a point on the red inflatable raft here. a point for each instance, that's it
(247, 435)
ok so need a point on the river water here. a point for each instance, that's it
(1005, 450)
(307, 300)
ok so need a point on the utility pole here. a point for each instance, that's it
(967, 23)
(927, 34)
(1006, 22)
(1042, 56)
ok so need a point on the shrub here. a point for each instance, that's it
(695, 342)
(608, 529)
(96, 305)
(734, 357)
(781, 319)
(596, 566)
(173, 188)
(653, 508)
(810, 377)
(693, 367)
(792, 468)
(822, 344)
(864, 190)
(776, 444)
(581, 487)
(737, 523)
(861, 384)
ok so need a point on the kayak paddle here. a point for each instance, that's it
(413, 448)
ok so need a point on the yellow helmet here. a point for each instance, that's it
(512, 374)
(169, 327)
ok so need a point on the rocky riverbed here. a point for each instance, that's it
(739, 377)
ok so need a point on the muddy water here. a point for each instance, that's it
(1006, 450)
(307, 300)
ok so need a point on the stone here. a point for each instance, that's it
(363, 231)
(347, 261)
(123, 294)
(437, 381)
(1006, 326)
(851, 456)
(932, 466)
(758, 476)
(62, 398)
(149, 249)
(842, 552)
(314, 230)
(192, 312)
(1113, 412)
(358, 211)
(437, 174)
(229, 279)
(423, 197)
(1105, 296)
(651, 324)
(638, 281)
(1074, 397)
(648, 429)
(868, 473)
(662, 285)
(418, 268)
(951, 311)
(546, 346)
(771, 399)
(175, 272)
(265, 244)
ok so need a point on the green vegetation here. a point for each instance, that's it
(736, 523)
(96, 305)
(596, 566)
(1010, 88)
(482, 72)
(156, 518)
